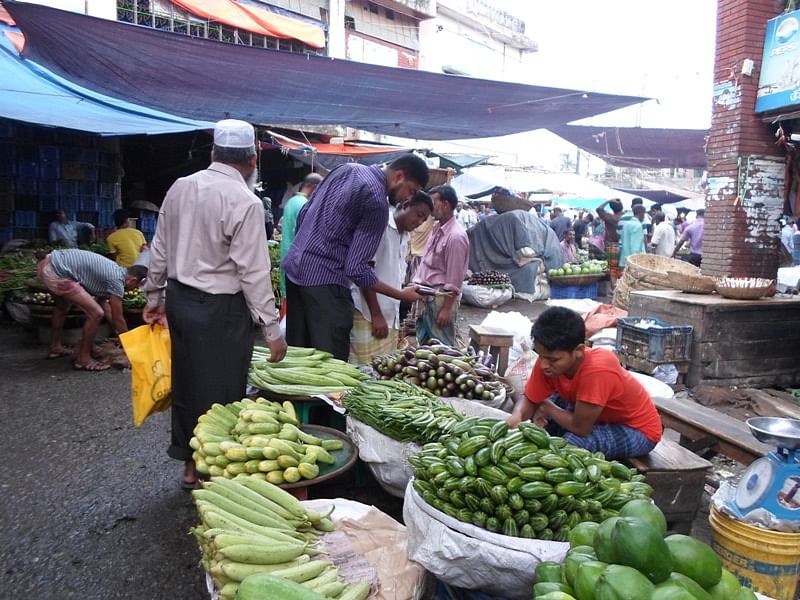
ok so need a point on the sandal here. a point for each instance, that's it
(61, 353)
(91, 366)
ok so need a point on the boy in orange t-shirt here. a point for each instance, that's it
(584, 393)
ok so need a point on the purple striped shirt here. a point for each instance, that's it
(339, 229)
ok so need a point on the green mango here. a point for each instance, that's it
(694, 559)
(639, 545)
(586, 578)
(582, 534)
(727, 587)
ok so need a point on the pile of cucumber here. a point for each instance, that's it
(261, 439)
(258, 541)
(521, 482)
(303, 372)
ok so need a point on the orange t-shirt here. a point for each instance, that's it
(601, 380)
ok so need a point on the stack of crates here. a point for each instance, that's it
(43, 169)
(147, 224)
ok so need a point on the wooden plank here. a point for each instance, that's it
(750, 366)
(724, 329)
(751, 349)
(669, 456)
(695, 421)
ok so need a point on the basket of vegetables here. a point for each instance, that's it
(583, 274)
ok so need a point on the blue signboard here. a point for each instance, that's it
(779, 84)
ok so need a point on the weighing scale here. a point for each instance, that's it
(772, 482)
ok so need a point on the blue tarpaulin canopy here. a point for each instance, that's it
(33, 94)
(205, 79)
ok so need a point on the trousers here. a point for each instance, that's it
(319, 317)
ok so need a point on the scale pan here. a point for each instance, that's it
(776, 431)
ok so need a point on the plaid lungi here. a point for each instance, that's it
(613, 440)
(426, 311)
(364, 346)
(612, 256)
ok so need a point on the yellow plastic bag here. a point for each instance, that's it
(148, 349)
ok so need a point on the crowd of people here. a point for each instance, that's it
(615, 234)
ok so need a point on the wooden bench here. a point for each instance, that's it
(703, 429)
(677, 476)
(494, 342)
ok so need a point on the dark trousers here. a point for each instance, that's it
(212, 342)
(695, 259)
(319, 317)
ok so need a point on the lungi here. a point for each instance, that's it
(612, 256)
(364, 346)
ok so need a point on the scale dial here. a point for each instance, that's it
(754, 483)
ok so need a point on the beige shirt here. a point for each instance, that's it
(211, 236)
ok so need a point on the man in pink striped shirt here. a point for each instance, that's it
(443, 268)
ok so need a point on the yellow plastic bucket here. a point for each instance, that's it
(767, 561)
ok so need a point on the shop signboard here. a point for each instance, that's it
(779, 84)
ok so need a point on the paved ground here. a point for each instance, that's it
(91, 505)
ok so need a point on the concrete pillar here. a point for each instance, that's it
(745, 167)
(337, 41)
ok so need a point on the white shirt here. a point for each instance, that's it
(211, 236)
(663, 240)
(390, 267)
(463, 218)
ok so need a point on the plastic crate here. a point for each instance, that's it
(26, 185)
(6, 200)
(108, 174)
(6, 218)
(25, 218)
(107, 190)
(89, 173)
(87, 216)
(105, 219)
(569, 292)
(659, 343)
(87, 203)
(50, 170)
(49, 187)
(90, 156)
(48, 204)
(106, 204)
(70, 203)
(69, 188)
(71, 170)
(27, 169)
(26, 201)
(49, 153)
(71, 154)
(6, 234)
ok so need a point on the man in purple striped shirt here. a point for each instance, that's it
(338, 232)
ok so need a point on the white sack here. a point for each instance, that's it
(485, 297)
(466, 556)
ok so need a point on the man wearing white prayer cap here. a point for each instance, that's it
(209, 278)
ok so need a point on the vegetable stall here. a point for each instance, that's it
(517, 513)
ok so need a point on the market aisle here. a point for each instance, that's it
(91, 506)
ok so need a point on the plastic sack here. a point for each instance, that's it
(149, 352)
(541, 285)
(485, 297)
(666, 373)
(466, 556)
(518, 373)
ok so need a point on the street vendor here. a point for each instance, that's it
(443, 268)
(611, 221)
(76, 277)
(583, 394)
(376, 320)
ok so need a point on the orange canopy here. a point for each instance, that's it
(256, 20)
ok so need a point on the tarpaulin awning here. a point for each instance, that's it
(640, 147)
(257, 20)
(205, 79)
(660, 196)
(329, 155)
(459, 161)
(32, 94)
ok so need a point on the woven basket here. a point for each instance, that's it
(622, 295)
(654, 268)
(692, 284)
(503, 203)
(727, 289)
(576, 279)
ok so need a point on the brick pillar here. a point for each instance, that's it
(745, 168)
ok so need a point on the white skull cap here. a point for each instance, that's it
(232, 133)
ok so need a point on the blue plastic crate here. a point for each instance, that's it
(6, 218)
(26, 201)
(90, 156)
(87, 216)
(105, 219)
(87, 188)
(6, 234)
(49, 153)
(107, 190)
(653, 339)
(106, 204)
(70, 188)
(27, 169)
(25, 218)
(569, 292)
(89, 173)
(70, 203)
(49, 187)
(49, 204)
(50, 170)
(25, 185)
(87, 203)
